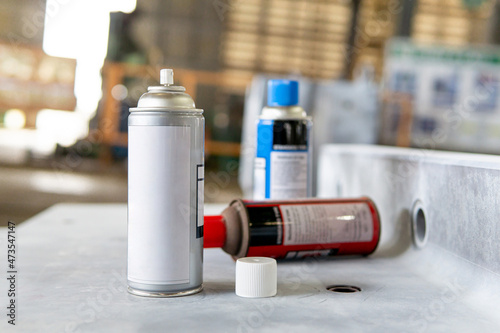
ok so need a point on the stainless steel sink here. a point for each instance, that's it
(439, 255)
(436, 269)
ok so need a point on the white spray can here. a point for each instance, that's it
(165, 192)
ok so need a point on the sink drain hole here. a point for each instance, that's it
(344, 289)
(419, 222)
(420, 225)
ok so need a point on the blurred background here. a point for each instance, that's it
(421, 73)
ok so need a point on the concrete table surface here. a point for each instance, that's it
(72, 278)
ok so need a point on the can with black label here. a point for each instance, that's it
(282, 167)
(165, 192)
(295, 228)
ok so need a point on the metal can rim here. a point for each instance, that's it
(177, 109)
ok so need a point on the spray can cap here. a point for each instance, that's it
(256, 277)
(166, 96)
(282, 93)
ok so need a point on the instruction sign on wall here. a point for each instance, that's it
(454, 93)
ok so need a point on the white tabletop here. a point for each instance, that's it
(72, 278)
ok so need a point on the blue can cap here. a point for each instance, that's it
(282, 93)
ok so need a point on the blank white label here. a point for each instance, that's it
(159, 204)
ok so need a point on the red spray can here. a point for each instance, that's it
(295, 228)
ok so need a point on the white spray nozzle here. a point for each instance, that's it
(166, 76)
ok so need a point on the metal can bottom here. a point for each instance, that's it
(146, 293)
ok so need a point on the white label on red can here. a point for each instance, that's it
(307, 254)
(327, 223)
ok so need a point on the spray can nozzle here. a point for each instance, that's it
(167, 77)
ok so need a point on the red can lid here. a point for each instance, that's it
(214, 231)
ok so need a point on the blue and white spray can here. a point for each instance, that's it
(282, 167)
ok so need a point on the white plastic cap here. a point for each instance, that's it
(256, 277)
(166, 76)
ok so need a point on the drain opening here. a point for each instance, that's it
(419, 225)
(343, 289)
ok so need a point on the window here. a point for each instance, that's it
(283, 36)
(450, 22)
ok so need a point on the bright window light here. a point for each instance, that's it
(79, 29)
(14, 119)
(62, 127)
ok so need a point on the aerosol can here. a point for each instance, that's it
(291, 229)
(165, 192)
(282, 168)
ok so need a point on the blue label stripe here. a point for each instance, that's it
(265, 147)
